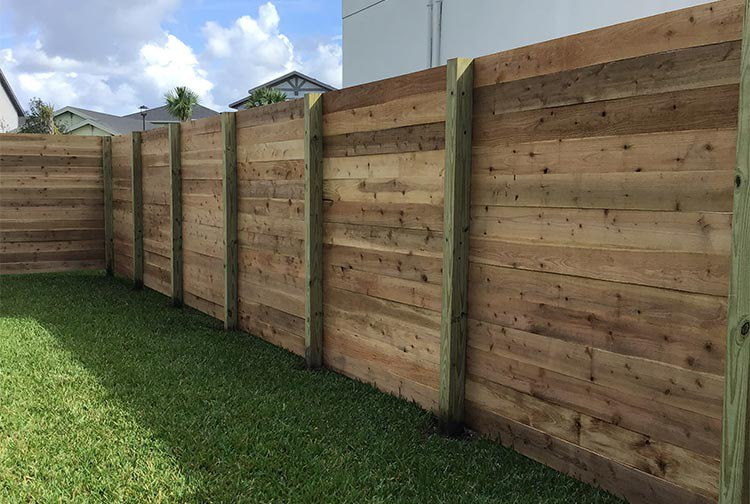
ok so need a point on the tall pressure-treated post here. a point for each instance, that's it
(137, 185)
(229, 192)
(456, 200)
(735, 453)
(175, 211)
(109, 241)
(314, 230)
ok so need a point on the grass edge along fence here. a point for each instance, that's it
(538, 243)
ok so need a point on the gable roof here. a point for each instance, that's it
(279, 80)
(161, 114)
(112, 124)
(11, 95)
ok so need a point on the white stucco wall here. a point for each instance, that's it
(8, 114)
(384, 38)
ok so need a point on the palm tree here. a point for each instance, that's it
(180, 102)
(264, 96)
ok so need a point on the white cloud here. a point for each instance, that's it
(248, 52)
(251, 51)
(113, 57)
(174, 64)
(325, 64)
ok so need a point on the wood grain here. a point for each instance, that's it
(735, 456)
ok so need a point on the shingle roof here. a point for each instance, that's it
(278, 80)
(11, 95)
(160, 114)
(113, 124)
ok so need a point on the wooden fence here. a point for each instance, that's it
(538, 243)
(51, 203)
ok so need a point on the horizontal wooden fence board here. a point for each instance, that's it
(374, 93)
(706, 108)
(689, 150)
(512, 359)
(51, 203)
(157, 242)
(706, 24)
(405, 111)
(691, 68)
(602, 177)
(631, 483)
(418, 138)
(689, 191)
(270, 168)
(701, 232)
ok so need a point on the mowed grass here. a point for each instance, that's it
(110, 395)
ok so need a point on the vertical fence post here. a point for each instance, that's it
(313, 230)
(137, 185)
(175, 211)
(109, 242)
(735, 453)
(456, 244)
(229, 159)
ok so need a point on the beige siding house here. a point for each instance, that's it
(11, 112)
(78, 121)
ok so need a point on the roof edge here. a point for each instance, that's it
(11, 95)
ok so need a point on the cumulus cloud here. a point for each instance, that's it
(248, 52)
(325, 64)
(113, 57)
(174, 64)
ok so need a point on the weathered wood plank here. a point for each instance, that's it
(691, 68)
(714, 107)
(419, 138)
(229, 185)
(735, 458)
(705, 24)
(457, 201)
(176, 213)
(137, 199)
(678, 328)
(314, 230)
(109, 245)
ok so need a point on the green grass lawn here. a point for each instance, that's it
(110, 395)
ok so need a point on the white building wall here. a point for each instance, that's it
(8, 114)
(385, 38)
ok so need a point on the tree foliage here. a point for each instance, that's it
(264, 96)
(180, 102)
(40, 118)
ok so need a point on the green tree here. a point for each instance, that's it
(40, 118)
(180, 102)
(264, 96)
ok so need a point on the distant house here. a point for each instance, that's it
(160, 115)
(11, 112)
(294, 84)
(79, 121)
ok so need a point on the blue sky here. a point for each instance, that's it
(115, 55)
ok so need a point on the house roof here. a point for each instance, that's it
(112, 124)
(279, 80)
(161, 114)
(11, 95)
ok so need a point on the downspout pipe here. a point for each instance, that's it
(437, 37)
(429, 33)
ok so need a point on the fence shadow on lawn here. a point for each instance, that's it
(243, 419)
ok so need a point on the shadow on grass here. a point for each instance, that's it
(244, 421)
